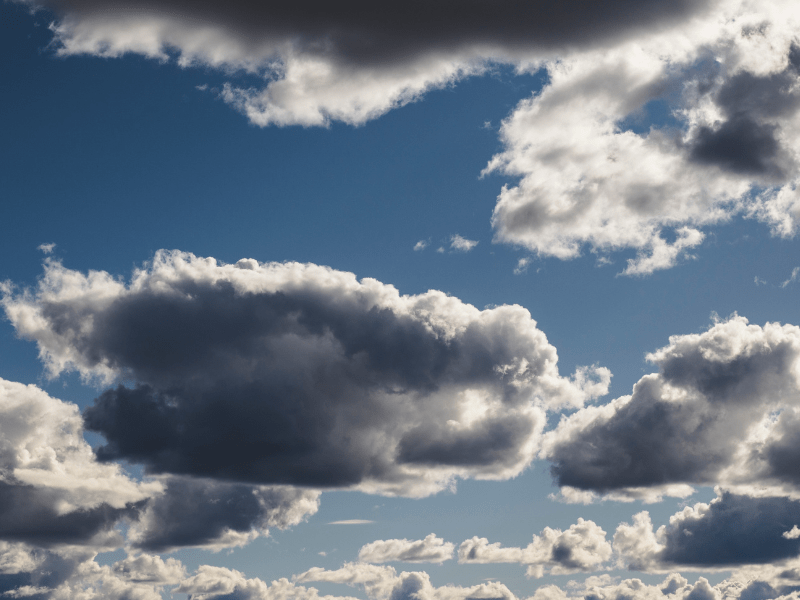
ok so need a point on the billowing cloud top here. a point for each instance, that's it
(299, 374)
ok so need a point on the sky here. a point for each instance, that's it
(400, 300)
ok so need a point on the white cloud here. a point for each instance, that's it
(430, 549)
(384, 583)
(420, 245)
(214, 582)
(725, 145)
(582, 547)
(462, 244)
(792, 277)
(792, 534)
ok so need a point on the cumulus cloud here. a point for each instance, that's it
(216, 515)
(731, 530)
(722, 409)
(299, 374)
(384, 583)
(430, 549)
(582, 547)
(644, 145)
(348, 61)
(52, 490)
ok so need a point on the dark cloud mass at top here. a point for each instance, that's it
(299, 374)
(364, 32)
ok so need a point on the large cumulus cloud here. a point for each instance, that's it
(721, 410)
(646, 144)
(299, 374)
(351, 60)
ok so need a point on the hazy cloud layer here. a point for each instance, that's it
(430, 549)
(299, 374)
(350, 61)
(582, 547)
(721, 410)
(52, 490)
(642, 146)
(732, 530)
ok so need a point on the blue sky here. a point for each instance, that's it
(225, 233)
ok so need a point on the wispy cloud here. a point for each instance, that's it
(792, 277)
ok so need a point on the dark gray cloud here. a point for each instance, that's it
(740, 145)
(31, 514)
(298, 374)
(357, 31)
(746, 142)
(691, 421)
(734, 530)
(214, 515)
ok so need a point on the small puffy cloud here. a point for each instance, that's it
(647, 143)
(216, 515)
(46, 248)
(582, 547)
(792, 534)
(284, 373)
(462, 244)
(420, 245)
(53, 491)
(722, 409)
(431, 549)
(732, 530)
